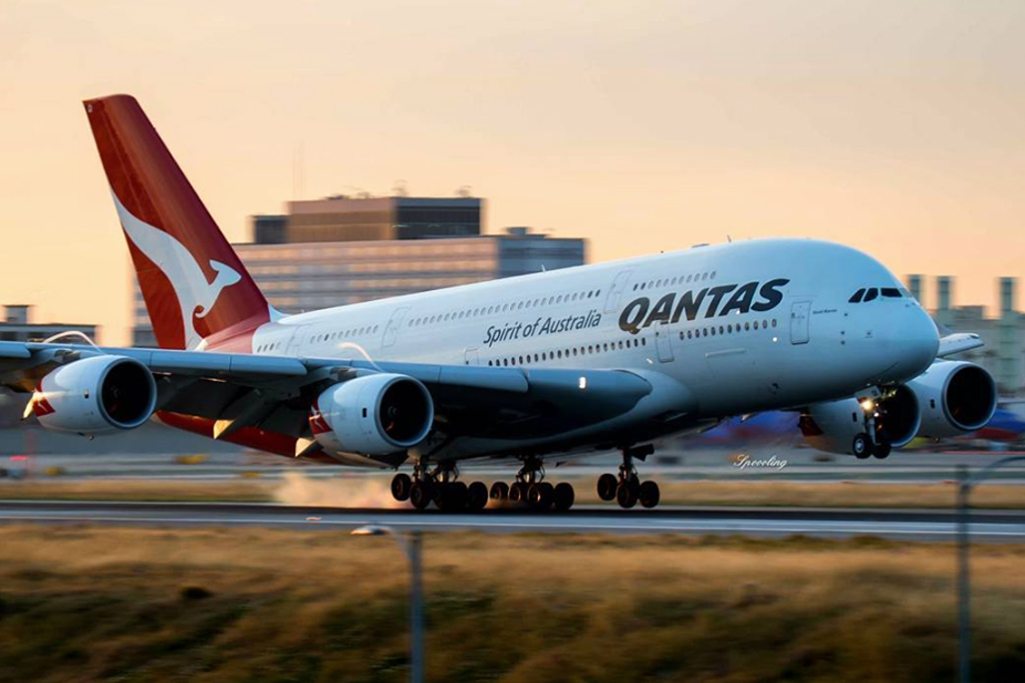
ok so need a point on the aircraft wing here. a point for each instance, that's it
(957, 343)
(230, 392)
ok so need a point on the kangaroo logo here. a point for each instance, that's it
(196, 296)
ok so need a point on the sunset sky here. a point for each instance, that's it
(896, 127)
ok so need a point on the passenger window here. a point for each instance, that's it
(856, 298)
(871, 294)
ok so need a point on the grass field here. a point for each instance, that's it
(83, 603)
(372, 491)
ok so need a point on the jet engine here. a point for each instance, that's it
(95, 395)
(834, 425)
(374, 415)
(954, 397)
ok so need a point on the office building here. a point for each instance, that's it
(340, 251)
(17, 325)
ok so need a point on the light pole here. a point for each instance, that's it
(411, 545)
(966, 482)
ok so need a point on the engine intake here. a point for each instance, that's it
(955, 397)
(96, 395)
(378, 414)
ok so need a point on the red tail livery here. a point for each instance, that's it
(197, 292)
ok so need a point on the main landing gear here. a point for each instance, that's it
(442, 487)
(627, 489)
(530, 489)
(874, 441)
(439, 486)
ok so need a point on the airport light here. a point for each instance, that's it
(966, 482)
(411, 545)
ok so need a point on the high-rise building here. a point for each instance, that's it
(340, 251)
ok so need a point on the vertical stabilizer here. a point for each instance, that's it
(197, 292)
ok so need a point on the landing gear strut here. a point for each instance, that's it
(627, 488)
(874, 440)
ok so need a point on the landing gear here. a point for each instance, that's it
(627, 488)
(441, 487)
(874, 441)
(438, 486)
(532, 490)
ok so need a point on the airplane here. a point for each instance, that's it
(531, 369)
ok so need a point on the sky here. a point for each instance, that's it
(894, 127)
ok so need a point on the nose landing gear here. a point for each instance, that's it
(627, 488)
(874, 441)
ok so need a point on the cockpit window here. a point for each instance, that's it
(891, 292)
(856, 299)
(871, 294)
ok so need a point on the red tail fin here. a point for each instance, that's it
(197, 291)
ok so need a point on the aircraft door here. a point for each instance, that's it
(799, 313)
(391, 330)
(664, 343)
(472, 356)
(616, 290)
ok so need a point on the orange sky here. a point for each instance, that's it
(898, 128)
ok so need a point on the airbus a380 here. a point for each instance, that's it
(531, 369)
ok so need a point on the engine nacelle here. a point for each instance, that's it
(374, 415)
(96, 395)
(832, 426)
(955, 397)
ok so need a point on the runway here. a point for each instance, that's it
(933, 525)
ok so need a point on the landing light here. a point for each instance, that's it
(868, 405)
(583, 383)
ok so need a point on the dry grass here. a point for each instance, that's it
(81, 603)
(138, 490)
(373, 491)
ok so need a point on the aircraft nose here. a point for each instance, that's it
(916, 340)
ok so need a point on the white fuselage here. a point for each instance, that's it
(746, 327)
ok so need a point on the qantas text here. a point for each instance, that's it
(641, 313)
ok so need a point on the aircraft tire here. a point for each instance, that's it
(454, 496)
(564, 495)
(626, 495)
(500, 491)
(861, 446)
(518, 492)
(607, 486)
(401, 485)
(540, 495)
(648, 494)
(420, 495)
(477, 496)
